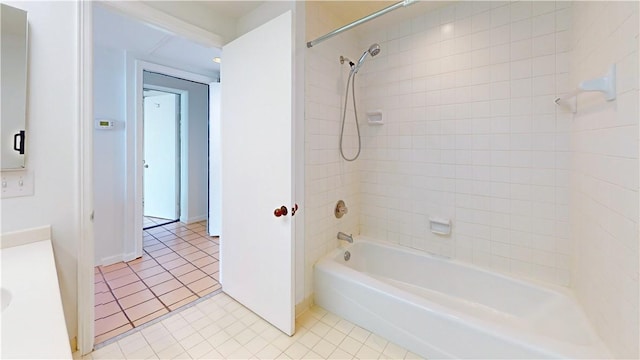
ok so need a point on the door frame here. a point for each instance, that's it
(135, 139)
(86, 247)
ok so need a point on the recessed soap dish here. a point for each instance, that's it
(375, 117)
(440, 226)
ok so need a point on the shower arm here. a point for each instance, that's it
(337, 31)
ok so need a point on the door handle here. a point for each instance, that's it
(18, 142)
(146, 166)
(281, 211)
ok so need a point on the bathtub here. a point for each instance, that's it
(441, 308)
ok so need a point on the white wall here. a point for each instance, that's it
(472, 134)
(109, 154)
(194, 188)
(328, 178)
(110, 174)
(53, 151)
(604, 174)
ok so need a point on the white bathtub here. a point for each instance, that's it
(440, 308)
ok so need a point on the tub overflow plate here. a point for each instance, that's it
(347, 256)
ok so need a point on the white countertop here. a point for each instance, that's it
(32, 325)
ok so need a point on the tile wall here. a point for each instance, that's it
(471, 134)
(604, 177)
(328, 178)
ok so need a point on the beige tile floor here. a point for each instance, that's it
(218, 327)
(149, 221)
(179, 265)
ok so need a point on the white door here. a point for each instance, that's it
(256, 247)
(215, 151)
(161, 170)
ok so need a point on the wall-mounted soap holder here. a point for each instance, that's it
(440, 226)
(375, 117)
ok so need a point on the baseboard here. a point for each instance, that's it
(304, 305)
(129, 257)
(194, 219)
(105, 261)
(116, 258)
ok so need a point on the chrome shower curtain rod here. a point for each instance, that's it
(361, 21)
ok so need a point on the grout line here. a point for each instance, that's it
(168, 271)
(149, 287)
(187, 260)
(117, 302)
(198, 297)
(156, 225)
(156, 320)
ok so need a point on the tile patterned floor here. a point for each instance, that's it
(149, 221)
(218, 327)
(179, 265)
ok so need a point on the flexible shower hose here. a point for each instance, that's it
(352, 74)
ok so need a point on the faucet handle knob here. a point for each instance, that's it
(341, 209)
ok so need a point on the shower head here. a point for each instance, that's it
(373, 51)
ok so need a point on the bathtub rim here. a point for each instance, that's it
(526, 339)
(522, 280)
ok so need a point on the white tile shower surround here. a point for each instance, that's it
(604, 177)
(328, 178)
(220, 328)
(472, 134)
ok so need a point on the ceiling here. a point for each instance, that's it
(115, 31)
(350, 11)
(235, 9)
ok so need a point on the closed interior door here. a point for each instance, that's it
(161, 155)
(256, 247)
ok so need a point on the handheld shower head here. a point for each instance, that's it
(373, 51)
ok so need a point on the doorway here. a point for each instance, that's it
(161, 177)
(135, 66)
(178, 261)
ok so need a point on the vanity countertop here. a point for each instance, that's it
(32, 323)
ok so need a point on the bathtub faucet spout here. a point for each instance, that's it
(345, 237)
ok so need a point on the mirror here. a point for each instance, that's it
(13, 79)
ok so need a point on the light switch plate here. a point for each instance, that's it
(16, 183)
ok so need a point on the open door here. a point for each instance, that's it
(161, 153)
(256, 246)
(215, 154)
